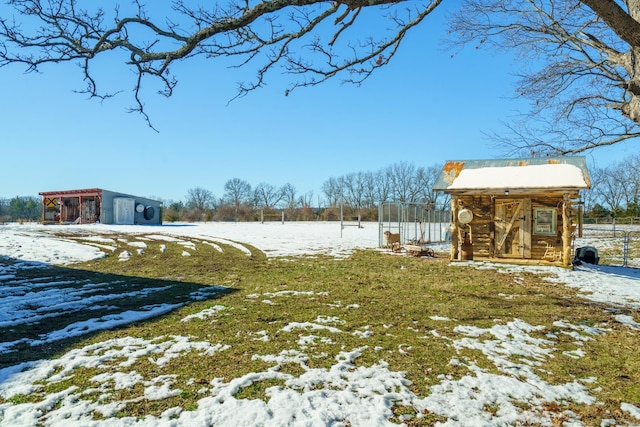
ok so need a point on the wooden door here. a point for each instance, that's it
(513, 228)
(88, 211)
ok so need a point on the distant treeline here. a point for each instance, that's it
(615, 192)
(25, 208)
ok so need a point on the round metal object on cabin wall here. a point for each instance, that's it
(139, 208)
(465, 216)
(149, 212)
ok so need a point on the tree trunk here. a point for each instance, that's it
(627, 26)
(632, 109)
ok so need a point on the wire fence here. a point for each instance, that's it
(613, 221)
(416, 223)
(617, 244)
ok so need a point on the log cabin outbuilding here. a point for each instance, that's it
(93, 205)
(514, 210)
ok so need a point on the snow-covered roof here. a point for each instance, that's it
(539, 174)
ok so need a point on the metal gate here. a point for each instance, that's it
(417, 223)
(629, 247)
(617, 246)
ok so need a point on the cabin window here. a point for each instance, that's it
(544, 221)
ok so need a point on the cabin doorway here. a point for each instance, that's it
(513, 228)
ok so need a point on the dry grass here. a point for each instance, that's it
(393, 299)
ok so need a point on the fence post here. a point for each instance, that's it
(614, 225)
(580, 220)
(380, 222)
(625, 249)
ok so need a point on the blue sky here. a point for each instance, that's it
(423, 108)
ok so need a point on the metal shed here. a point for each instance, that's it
(97, 205)
(514, 209)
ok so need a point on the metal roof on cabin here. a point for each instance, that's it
(453, 168)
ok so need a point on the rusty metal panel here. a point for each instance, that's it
(452, 168)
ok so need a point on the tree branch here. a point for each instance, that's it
(578, 73)
(261, 33)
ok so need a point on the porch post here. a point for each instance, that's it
(454, 228)
(566, 230)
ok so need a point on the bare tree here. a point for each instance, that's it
(333, 191)
(305, 202)
(591, 198)
(199, 199)
(306, 199)
(289, 196)
(237, 192)
(383, 186)
(611, 188)
(630, 170)
(313, 40)
(266, 195)
(398, 182)
(581, 72)
(425, 179)
(402, 180)
(354, 189)
(370, 199)
(200, 203)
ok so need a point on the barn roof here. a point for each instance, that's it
(80, 192)
(516, 175)
(88, 192)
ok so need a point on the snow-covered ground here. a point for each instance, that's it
(39, 243)
(342, 395)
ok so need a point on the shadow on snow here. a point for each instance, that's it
(45, 309)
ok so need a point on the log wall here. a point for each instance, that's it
(543, 246)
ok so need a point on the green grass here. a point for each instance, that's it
(392, 298)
